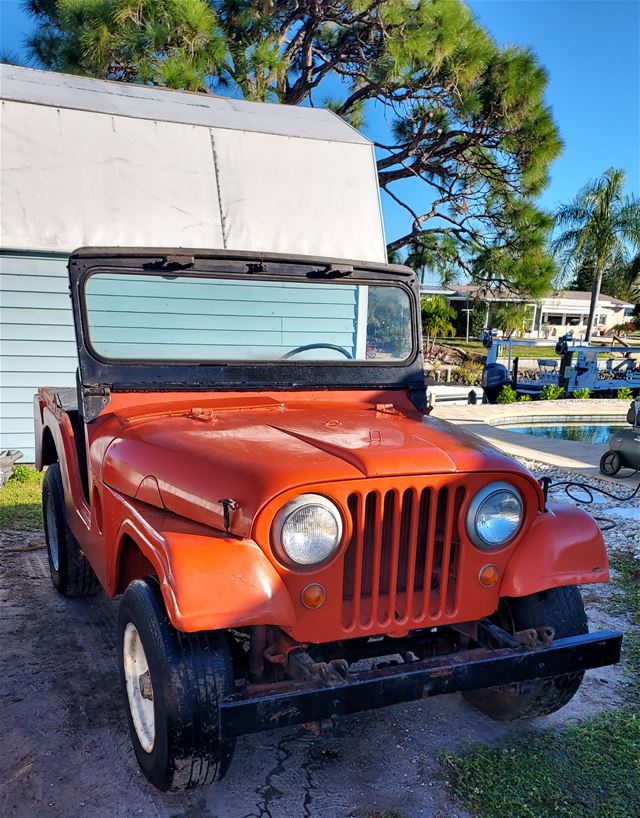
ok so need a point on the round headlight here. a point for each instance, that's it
(494, 516)
(307, 530)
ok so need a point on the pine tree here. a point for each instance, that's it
(468, 124)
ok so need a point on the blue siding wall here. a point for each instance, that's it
(186, 318)
(37, 342)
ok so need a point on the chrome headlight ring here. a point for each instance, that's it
(307, 531)
(494, 516)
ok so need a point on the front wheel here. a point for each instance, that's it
(563, 610)
(172, 683)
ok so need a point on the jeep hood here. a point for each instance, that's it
(187, 463)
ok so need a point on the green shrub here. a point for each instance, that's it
(624, 394)
(469, 373)
(507, 395)
(21, 499)
(551, 392)
(25, 474)
(524, 398)
(582, 394)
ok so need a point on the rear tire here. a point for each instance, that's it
(172, 683)
(563, 610)
(71, 573)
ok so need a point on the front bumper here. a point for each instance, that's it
(285, 704)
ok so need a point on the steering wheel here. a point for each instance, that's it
(304, 348)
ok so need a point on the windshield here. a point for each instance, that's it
(155, 317)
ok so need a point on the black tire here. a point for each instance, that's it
(189, 673)
(71, 573)
(563, 610)
(610, 463)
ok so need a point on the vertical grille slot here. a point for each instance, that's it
(403, 559)
(453, 569)
(348, 577)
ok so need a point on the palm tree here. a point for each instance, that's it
(511, 318)
(600, 226)
(437, 316)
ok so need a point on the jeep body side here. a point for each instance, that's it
(272, 520)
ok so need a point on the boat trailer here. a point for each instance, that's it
(577, 367)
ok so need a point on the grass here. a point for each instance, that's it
(21, 500)
(587, 770)
(521, 352)
(627, 601)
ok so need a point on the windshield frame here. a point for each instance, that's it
(292, 373)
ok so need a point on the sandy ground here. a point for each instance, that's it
(65, 750)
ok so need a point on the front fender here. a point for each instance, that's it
(564, 546)
(212, 582)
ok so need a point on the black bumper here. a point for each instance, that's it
(286, 704)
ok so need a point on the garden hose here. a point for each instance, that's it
(569, 486)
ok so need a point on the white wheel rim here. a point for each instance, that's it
(52, 536)
(139, 688)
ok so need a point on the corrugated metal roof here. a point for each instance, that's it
(163, 105)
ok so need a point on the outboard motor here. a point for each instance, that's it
(624, 446)
(494, 377)
(487, 336)
(562, 344)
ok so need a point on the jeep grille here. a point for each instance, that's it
(401, 564)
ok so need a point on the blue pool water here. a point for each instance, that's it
(579, 432)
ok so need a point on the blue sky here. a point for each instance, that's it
(591, 49)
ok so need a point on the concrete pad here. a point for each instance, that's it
(486, 421)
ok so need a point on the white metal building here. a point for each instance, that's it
(85, 162)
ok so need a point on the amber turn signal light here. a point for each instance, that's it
(488, 575)
(313, 596)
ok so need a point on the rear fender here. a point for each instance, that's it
(212, 582)
(564, 546)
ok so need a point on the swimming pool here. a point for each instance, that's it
(578, 432)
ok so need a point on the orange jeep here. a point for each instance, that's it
(248, 461)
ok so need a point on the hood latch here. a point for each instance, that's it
(228, 507)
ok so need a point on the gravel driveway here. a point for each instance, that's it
(65, 750)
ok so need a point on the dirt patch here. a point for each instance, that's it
(65, 750)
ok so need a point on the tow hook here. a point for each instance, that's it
(302, 668)
(489, 635)
(534, 638)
